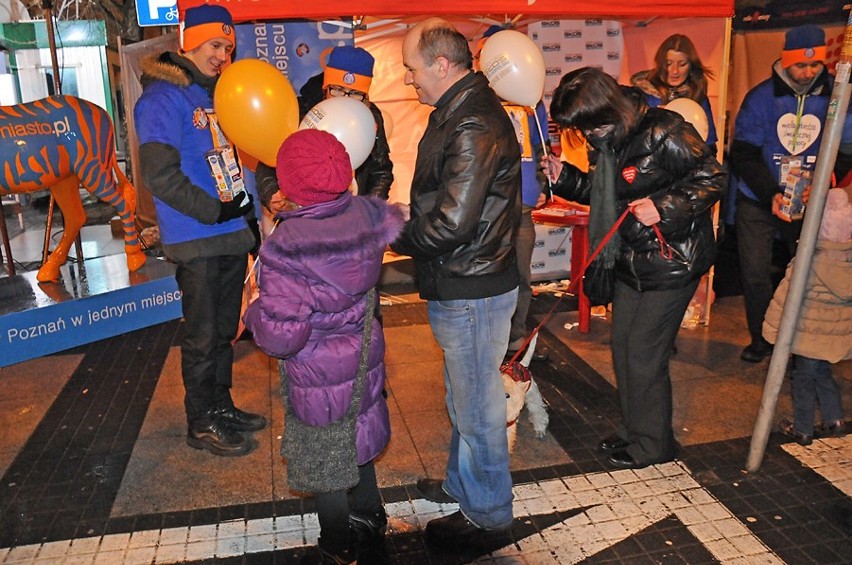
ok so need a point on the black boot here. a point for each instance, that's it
(758, 350)
(368, 528)
(368, 531)
(211, 433)
(332, 556)
(239, 420)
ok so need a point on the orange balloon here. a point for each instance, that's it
(247, 160)
(256, 107)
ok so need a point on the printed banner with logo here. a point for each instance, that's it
(62, 321)
(296, 49)
(571, 44)
(780, 14)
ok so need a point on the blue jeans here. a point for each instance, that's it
(474, 334)
(812, 385)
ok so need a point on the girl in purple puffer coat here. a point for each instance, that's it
(315, 272)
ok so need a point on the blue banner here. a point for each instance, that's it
(295, 49)
(55, 327)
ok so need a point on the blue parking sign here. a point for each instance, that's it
(157, 12)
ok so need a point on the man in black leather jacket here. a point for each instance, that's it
(465, 210)
(348, 72)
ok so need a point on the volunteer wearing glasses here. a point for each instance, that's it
(335, 91)
(348, 72)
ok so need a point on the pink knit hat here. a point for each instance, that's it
(312, 167)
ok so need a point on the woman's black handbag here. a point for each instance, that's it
(323, 458)
(598, 280)
(599, 283)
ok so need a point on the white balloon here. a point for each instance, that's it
(347, 119)
(692, 112)
(514, 66)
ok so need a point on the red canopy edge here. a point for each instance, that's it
(246, 10)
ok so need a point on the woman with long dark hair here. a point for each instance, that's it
(678, 73)
(652, 162)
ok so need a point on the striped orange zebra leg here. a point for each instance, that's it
(135, 256)
(67, 195)
(116, 196)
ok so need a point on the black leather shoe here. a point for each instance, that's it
(756, 351)
(433, 490)
(240, 421)
(623, 460)
(212, 434)
(539, 356)
(612, 444)
(458, 532)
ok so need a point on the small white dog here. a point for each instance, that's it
(521, 390)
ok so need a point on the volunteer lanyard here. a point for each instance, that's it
(800, 108)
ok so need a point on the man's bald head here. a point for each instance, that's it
(435, 56)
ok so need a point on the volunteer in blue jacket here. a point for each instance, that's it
(779, 127)
(207, 238)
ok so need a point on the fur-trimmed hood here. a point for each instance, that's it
(640, 81)
(170, 67)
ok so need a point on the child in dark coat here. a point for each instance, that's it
(316, 270)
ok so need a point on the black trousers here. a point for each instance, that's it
(212, 296)
(333, 508)
(644, 327)
(524, 245)
(756, 229)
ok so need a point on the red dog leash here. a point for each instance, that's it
(665, 251)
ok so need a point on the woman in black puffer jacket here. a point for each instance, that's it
(653, 162)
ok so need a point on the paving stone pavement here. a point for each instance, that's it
(95, 469)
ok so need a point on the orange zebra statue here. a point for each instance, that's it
(61, 143)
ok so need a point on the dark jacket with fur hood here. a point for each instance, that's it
(662, 159)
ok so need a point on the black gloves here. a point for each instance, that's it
(233, 209)
(254, 226)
